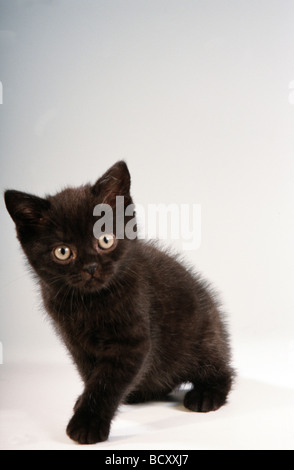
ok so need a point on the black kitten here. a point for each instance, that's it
(136, 322)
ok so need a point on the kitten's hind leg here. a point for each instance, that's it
(209, 395)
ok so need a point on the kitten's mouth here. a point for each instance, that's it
(91, 284)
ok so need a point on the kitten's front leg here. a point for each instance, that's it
(104, 390)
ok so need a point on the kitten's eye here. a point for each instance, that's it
(106, 241)
(62, 253)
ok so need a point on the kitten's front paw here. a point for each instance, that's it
(85, 428)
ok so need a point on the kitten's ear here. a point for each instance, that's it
(115, 182)
(25, 209)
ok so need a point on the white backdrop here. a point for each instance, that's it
(197, 97)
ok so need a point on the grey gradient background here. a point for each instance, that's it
(196, 97)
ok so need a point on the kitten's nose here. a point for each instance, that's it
(90, 268)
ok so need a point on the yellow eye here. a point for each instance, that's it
(62, 253)
(106, 241)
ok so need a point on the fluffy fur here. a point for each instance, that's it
(136, 321)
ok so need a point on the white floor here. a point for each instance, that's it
(36, 403)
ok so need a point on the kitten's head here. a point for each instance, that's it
(56, 233)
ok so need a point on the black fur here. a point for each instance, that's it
(135, 320)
